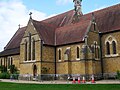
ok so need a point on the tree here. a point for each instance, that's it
(13, 69)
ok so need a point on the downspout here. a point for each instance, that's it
(100, 39)
(41, 42)
(55, 63)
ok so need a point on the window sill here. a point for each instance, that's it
(29, 61)
(97, 59)
(77, 59)
(112, 55)
(59, 60)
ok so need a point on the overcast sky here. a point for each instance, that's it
(15, 12)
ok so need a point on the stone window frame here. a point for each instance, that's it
(107, 48)
(110, 39)
(10, 61)
(29, 47)
(114, 47)
(96, 50)
(25, 50)
(77, 52)
(59, 56)
(0, 61)
(33, 49)
(65, 51)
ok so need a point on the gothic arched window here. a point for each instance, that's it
(114, 47)
(98, 52)
(59, 54)
(107, 48)
(33, 49)
(25, 50)
(78, 52)
(11, 61)
(29, 55)
(1, 62)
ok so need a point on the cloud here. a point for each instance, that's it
(13, 13)
(63, 2)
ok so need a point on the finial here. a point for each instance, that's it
(19, 26)
(30, 15)
(77, 10)
(93, 16)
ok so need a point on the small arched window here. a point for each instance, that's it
(1, 62)
(107, 48)
(11, 61)
(25, 50)
(29, 55)
(114, 47)
(98, 52)
(78, 52)
(33, 49)
(59, 54)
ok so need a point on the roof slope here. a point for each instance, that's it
(61, 19)
(71, 34)
(108, 19)
(46, 32)
(59, 30)
(16, 39)
(13, 46)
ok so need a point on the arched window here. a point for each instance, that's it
(11, 61)
(25, 51)
(114, 47)
(107, 48)
(98, 52)
(78, 52)
(29, 55)
(1, 62)
(95, 48)
(59, 54)
(33, 49)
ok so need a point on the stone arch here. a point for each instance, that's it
(112, 45)
(34, 70)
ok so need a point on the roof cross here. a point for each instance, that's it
(30, 15)
(19, 25)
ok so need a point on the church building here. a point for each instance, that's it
(68, 43)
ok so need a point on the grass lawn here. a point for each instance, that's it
(16, 86)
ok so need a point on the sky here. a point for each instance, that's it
(15, 12)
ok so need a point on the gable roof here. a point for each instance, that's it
(108, 19)
(59, 30)
(13, 46)
(16, 39)
(61, 19)
(46, 32)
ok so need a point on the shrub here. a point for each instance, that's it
(4, 75)
(118, 75)
(3, 69)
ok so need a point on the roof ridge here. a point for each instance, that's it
(106, 8)
(50, 25)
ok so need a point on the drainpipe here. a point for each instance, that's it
(100, 39)
(86, 52)
(55, 64)
(41, 43)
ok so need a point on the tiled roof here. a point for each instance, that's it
(13, 46)
(59, 30)
(16, 39)
(46, 32)
(71, 34)
(108, 19)
(61, 19)
(9, 52)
